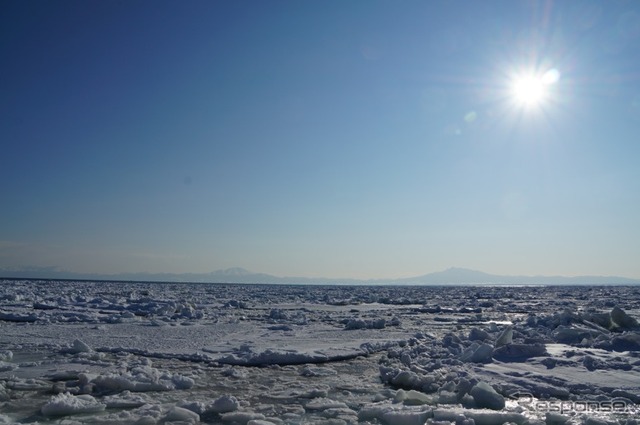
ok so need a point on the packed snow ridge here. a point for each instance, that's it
(103, 353)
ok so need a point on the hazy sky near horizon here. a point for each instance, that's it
(364, 139)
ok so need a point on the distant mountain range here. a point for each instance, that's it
(460, 276)
(452, 276)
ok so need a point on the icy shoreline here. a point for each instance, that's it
(100, 352)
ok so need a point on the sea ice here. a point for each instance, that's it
(478, 353)
(146, 350)
(622, 319)
(395, 414)
(223, 404)
(241, 417)
(315, 371)
(79, 347)
(629, 341)
(67, 404)
(324, 404)
(179, 414)
(365, 324)
(141, 379)
(510, 352)
(406, 417)
(4, 367)
(413, 398)
(125, 399)
(477, 334)
(506, 337)
(485, 396)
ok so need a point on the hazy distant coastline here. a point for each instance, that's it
(451, 276)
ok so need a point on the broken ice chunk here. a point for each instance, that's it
(622, 319)
(519, 351)
(478, 353)
(506, 337)
(182, 415)
(67, 404)
(485, 396)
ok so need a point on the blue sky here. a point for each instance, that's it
(367, 139)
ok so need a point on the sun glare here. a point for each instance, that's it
(533, 90)
(529, 90)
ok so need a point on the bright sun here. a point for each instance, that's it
(533, 90)
(529, 91)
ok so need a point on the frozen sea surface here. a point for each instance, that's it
(160, 353)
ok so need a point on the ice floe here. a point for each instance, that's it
(68, 404)
(113, 352)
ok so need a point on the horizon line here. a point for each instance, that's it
(51, 273)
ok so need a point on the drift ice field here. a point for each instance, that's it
(176, 353)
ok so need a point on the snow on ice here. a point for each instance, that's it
(142, 353)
